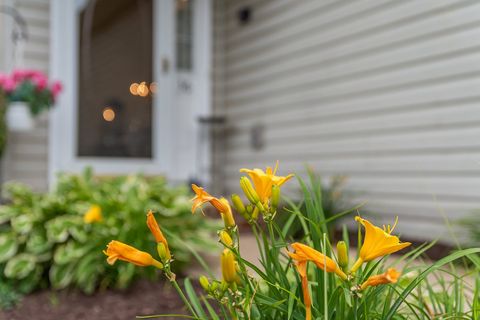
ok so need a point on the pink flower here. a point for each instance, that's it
(3, 78)
(56, 89)
(19, 75)
(40, 82)
(9, 85)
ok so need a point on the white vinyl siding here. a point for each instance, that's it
(26, 158)
(385, 92)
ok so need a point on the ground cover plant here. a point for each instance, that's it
(311, 277)
(53, 239)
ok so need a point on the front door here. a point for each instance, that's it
(131, 70)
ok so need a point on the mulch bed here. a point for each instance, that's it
(142, 298)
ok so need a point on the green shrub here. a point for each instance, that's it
(45, 241)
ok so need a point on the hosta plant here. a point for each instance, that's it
(53, 239)
(310, 278)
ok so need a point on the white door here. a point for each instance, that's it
(131, 71)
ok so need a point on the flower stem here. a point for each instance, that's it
(184, 298)
(357, 265)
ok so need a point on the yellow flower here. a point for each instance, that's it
(157, 233)
(390, 276)
(117, 250)
(263, 181)
(229, 270)
(377, 243)
(221, 204)
(94, 214)
(306, 253)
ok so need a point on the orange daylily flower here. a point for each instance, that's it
(202, 196)
(378, 242)
(117, 250)
(94, 214)
(263, 181)
(221, 204)
(157, 233)
(306, 253)
(307, 300)
(390, 276)
(301, 256)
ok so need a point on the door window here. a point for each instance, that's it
(115, 86)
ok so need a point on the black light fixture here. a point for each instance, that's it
(244, 15)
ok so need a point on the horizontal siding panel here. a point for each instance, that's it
(317, 125)
(399, 142)
(456, 164)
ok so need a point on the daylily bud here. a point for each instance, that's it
(249, 191)
(159, 237)
(117, 250)
(275, 197)
(227, 262)
(239, 206)
(342, 253)
(225, 238)
(214, 286)
(204, 283)
(163, 252)
(227, 215)
(255, 213)
(223, 286)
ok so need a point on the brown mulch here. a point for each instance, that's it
(142, 298)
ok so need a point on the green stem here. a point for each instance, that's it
(184, 298)
(272, 235)
(257, 238)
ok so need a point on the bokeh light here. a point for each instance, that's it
(108, 114)
(153, 87)
(142, 89)
(133, 88)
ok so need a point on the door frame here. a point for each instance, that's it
(63, 118)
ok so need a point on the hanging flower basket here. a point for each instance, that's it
(19, 117)
(27, 93)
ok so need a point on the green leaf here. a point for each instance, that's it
(69, 252)
(8, 246)
(37, 243)
(22, 224)
(20, 266)
(6, 213)
(58, 228)
(192, 297)
(78, 233)
(61, 275)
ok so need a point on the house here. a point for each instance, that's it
(384, 92)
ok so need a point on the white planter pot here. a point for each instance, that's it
(19, 117)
